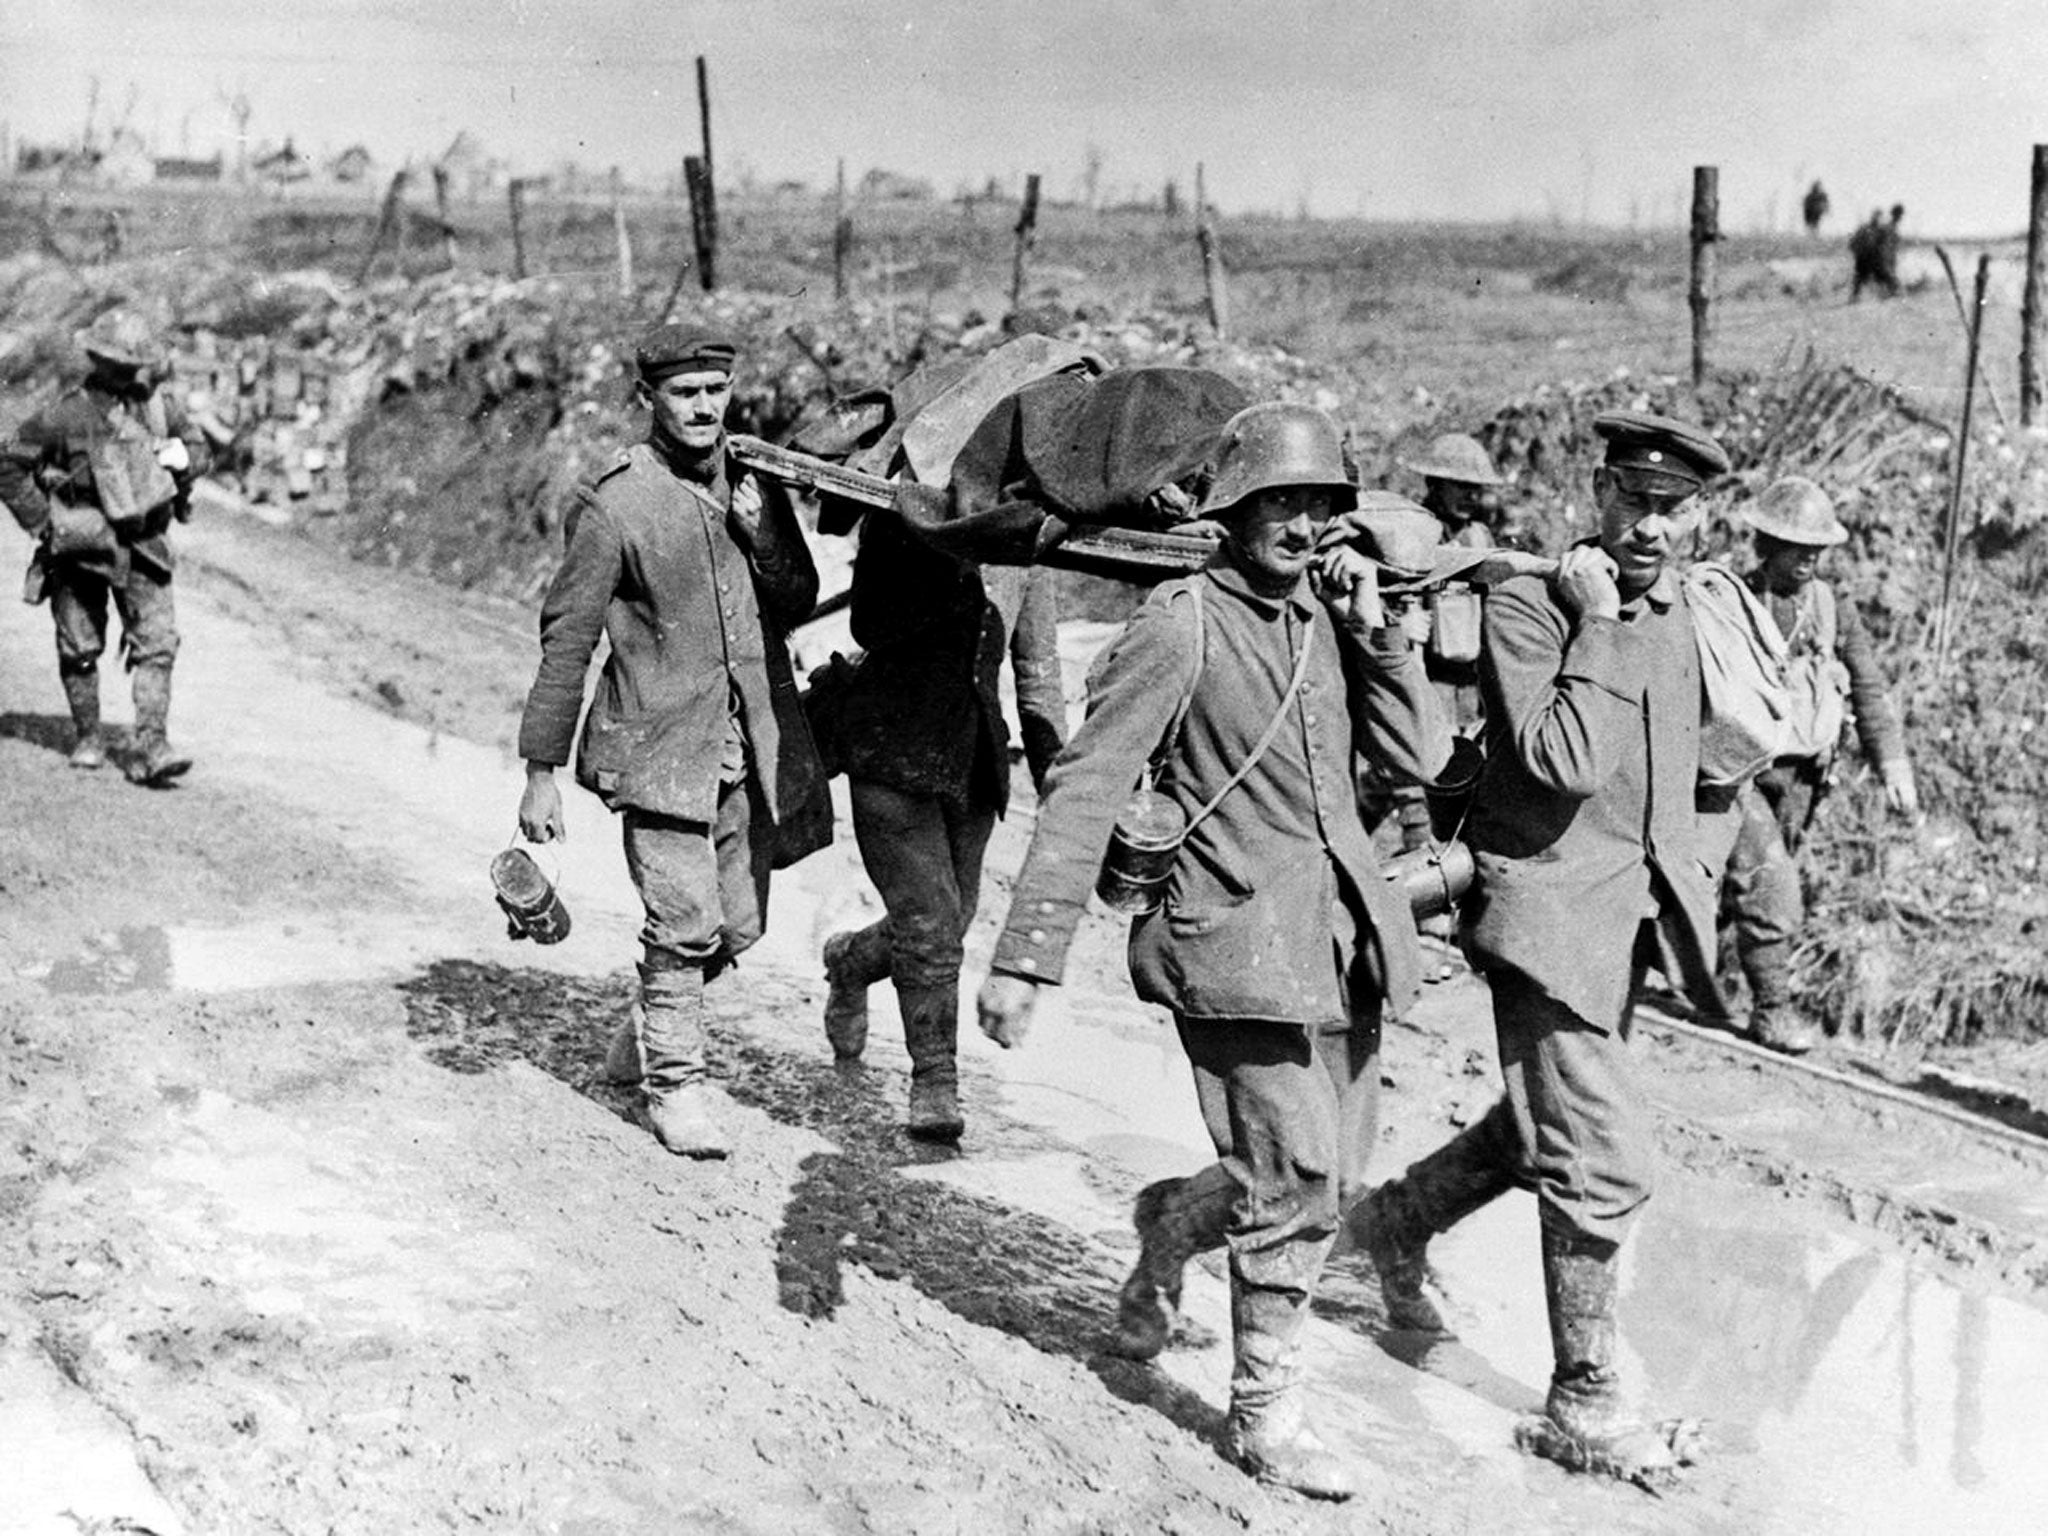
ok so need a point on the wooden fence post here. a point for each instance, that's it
(842, 237)
(1027, 231)
(441, 212)
(1214, 279)
(515, 196)
(2033, 319)
(707, 244)
(624, 235)
(387, 216)
(697, 181)
(1706, 229)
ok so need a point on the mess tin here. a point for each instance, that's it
(532, 906)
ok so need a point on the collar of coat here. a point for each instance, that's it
(1660, 594)
(1224, 572)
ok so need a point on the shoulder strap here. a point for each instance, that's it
(1308, 636)
(1166, 743)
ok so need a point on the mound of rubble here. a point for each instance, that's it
(1918, 936)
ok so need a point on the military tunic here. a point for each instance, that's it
(696, 619)
(1588, 868)
(51, 459)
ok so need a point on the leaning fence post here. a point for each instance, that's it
(2033, 320)
(1952, 534)
(1706, 229)
(1963, 314)
(1027, 231)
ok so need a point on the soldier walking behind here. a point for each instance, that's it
(1585, 838)
(97, 479)
(694, 570)
(926, 747)
(1834, 674)
(1280, 944)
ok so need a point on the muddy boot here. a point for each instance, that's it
(82, 692)
(1395, 1222)
(1585, 1424)
(1176, 1219)
(681, 1105)
(1268, 1433)
(1774, 1021)
(931, 1031)
(155, 762)
(854, 961)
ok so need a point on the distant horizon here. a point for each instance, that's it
(1831, 240)
(1564, 112)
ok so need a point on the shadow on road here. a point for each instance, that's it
(861, 1203)
(50, 732)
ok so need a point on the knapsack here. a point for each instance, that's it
(1816, 682)
(1745, 708)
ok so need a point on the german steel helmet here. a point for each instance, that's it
(1452, 456)
(1796, 511)
(123, 338)
(1272, 444)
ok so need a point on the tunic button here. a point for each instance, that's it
(1048, 907)
(1311, 719)
(1038, 935)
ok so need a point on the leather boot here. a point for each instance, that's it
(931, 1032)
(1586, 1425)
(1395, 1222)
(1268, 1433)
(680, 1105)
(854, 961)
(82, 692)
(1176, 1219)
(1774, 1020)
(155, 761)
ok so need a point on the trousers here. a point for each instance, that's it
(79, 598)
(924, 856)
(1580, 1116)
(703, 885)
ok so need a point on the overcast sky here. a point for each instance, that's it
(1475, 109)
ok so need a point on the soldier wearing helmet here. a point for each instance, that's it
(1280, 944)
(1833, 675)
(1458, 481)
(1456, 477)
(1589, 868)
(97, 479)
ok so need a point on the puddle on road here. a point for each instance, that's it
(322, 1226)
(1845, 1387)
(1874, 1393)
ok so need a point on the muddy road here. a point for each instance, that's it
(317, 1220)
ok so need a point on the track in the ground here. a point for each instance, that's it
(2011, 1125)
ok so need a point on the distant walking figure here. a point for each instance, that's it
(1874, 254)
(1814, 207)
